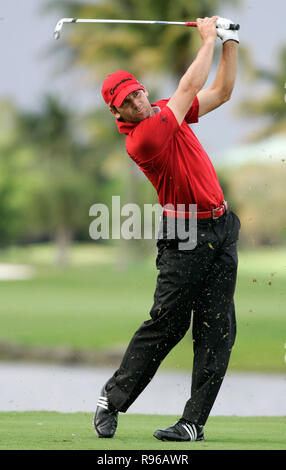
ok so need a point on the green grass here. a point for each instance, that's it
(74, 431)
(95, 304)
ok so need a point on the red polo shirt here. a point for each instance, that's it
(173, 159)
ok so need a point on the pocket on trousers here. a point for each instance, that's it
(161, 245)
(237, 219)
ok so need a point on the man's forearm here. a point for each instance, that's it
(227, 71)
(196, 75)
(198, 72)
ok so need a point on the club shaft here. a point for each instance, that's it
(129, 21)
(79, 20)
(82, 20)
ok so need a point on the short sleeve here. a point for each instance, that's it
(152, 135)
(193, 113)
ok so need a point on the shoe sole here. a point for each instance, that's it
(102, 435)
(165, 439)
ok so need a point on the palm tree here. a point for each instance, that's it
(12, 184)
(273, 104)
(63, 175)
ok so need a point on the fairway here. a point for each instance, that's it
(74, 431)
(96, 305)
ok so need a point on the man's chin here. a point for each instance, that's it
(140, 118)
(145, 115)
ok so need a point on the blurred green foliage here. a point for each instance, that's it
(271, 104)
(256, 191)
(51, 173)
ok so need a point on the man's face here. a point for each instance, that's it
(135, 107)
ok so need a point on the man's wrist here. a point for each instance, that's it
(231, 42)
(210, 41)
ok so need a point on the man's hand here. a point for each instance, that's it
(226, 34)
(207, 28)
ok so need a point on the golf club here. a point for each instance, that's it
(175, 23)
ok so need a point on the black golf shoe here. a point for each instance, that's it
(106, 416)
(182, 430)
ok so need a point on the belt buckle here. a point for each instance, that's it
(223, 206)
(213, 211)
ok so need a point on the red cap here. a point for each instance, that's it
(117, 86)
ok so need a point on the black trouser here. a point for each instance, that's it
(201, 281)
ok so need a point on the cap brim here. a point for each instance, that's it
(118, 100)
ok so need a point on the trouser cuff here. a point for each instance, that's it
(118, 398)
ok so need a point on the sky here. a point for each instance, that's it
(28, 71)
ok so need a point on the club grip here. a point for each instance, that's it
(234, 27)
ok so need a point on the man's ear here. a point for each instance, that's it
(114, 111)
(145, 91)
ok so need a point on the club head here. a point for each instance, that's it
(58, 28)
(59, 25)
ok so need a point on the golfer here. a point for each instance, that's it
(198, 282)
